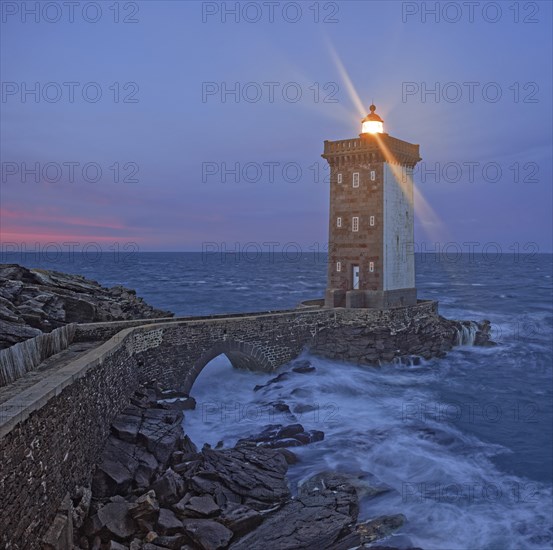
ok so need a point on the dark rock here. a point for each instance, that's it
(126, 427)
(173, 542)
(169, 488)
(81, 506)
(277, 436)
(112, 521)
(302, 408)
(326, 484)
(322, 516)
(133, 410)
(168, 523)
(280, 406)
(179, 507)
(289, 431)
(309, 437)
(150, 536)
(303, 367)
(187, 446)
(161, 432)
(380, 527)
(483, 335)
(120, 463)
(369, 486)
(177, 403)
(282, 376)
(203, 506)
(207, 534)
(185, 464)
(240, 519)
(289, 456)
(145, 508)
(300, 392)
(243, 475)
(115, 473)
(170, 393)
(14, 332)
(348, 542)
(177, 457)
(147, 467)
(279, 443)
(149, 392)
(79, 311)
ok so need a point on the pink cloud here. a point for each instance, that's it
(43, 225)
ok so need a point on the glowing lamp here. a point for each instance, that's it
(372, 123)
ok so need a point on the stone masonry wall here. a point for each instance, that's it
(55, 449)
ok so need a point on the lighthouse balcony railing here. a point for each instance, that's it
(391, 146)
(342, 146)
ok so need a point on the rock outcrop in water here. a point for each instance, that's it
(428, 337)
(33, 301)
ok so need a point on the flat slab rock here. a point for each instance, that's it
(245, 475)
(143, 441)
(112, 521)
(207, 534)
(278, 436)
(378, 528)
(322, 515)
(123, 466)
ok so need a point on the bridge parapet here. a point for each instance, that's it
(23, 357)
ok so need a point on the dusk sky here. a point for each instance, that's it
(165, 121)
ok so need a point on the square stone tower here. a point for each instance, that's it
(371, 227)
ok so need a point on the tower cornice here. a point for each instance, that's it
(383, 146)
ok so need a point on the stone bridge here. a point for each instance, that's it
(61, 393)
(175, 352)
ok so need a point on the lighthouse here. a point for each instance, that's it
(371, 226)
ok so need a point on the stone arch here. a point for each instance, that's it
(242, 355)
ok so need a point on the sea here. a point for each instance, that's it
(463, 444)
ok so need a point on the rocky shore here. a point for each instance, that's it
(154, 490)
(33, 301)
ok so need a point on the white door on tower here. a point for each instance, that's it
(355, 277)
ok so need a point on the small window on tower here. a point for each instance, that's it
(373, 175)
(338, 221)
(371, 220)
(355, 224)
(371, 267)
(340, 178)
(338, 266)
(356, 179)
